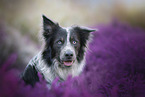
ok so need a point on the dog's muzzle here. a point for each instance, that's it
(68, 58)
(69, 54)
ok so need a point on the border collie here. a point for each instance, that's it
(63, 53)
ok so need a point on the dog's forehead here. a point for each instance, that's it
(61, 31)
(67, 29)
(70, 31)
(66, 32)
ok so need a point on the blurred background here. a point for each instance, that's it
(21, 21)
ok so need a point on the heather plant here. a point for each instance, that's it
(115, 68)
(116, 61)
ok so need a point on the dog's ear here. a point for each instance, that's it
(86, 29)
(84, 33)
(85, 36)
(48, 26)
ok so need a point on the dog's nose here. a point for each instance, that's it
(69, 54)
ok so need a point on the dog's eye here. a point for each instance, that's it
(74, 42)
(59, 42)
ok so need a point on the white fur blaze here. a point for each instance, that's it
(68, 45)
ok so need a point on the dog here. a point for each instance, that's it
(63, 53)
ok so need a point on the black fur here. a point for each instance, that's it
(50, 29)
(84, 35)
(30, 75)
(52, 34)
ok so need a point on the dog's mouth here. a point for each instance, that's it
(68, 63)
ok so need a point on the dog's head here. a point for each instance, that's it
(66, 45)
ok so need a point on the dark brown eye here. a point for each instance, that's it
(74, 42)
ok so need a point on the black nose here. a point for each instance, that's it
(69, 54)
